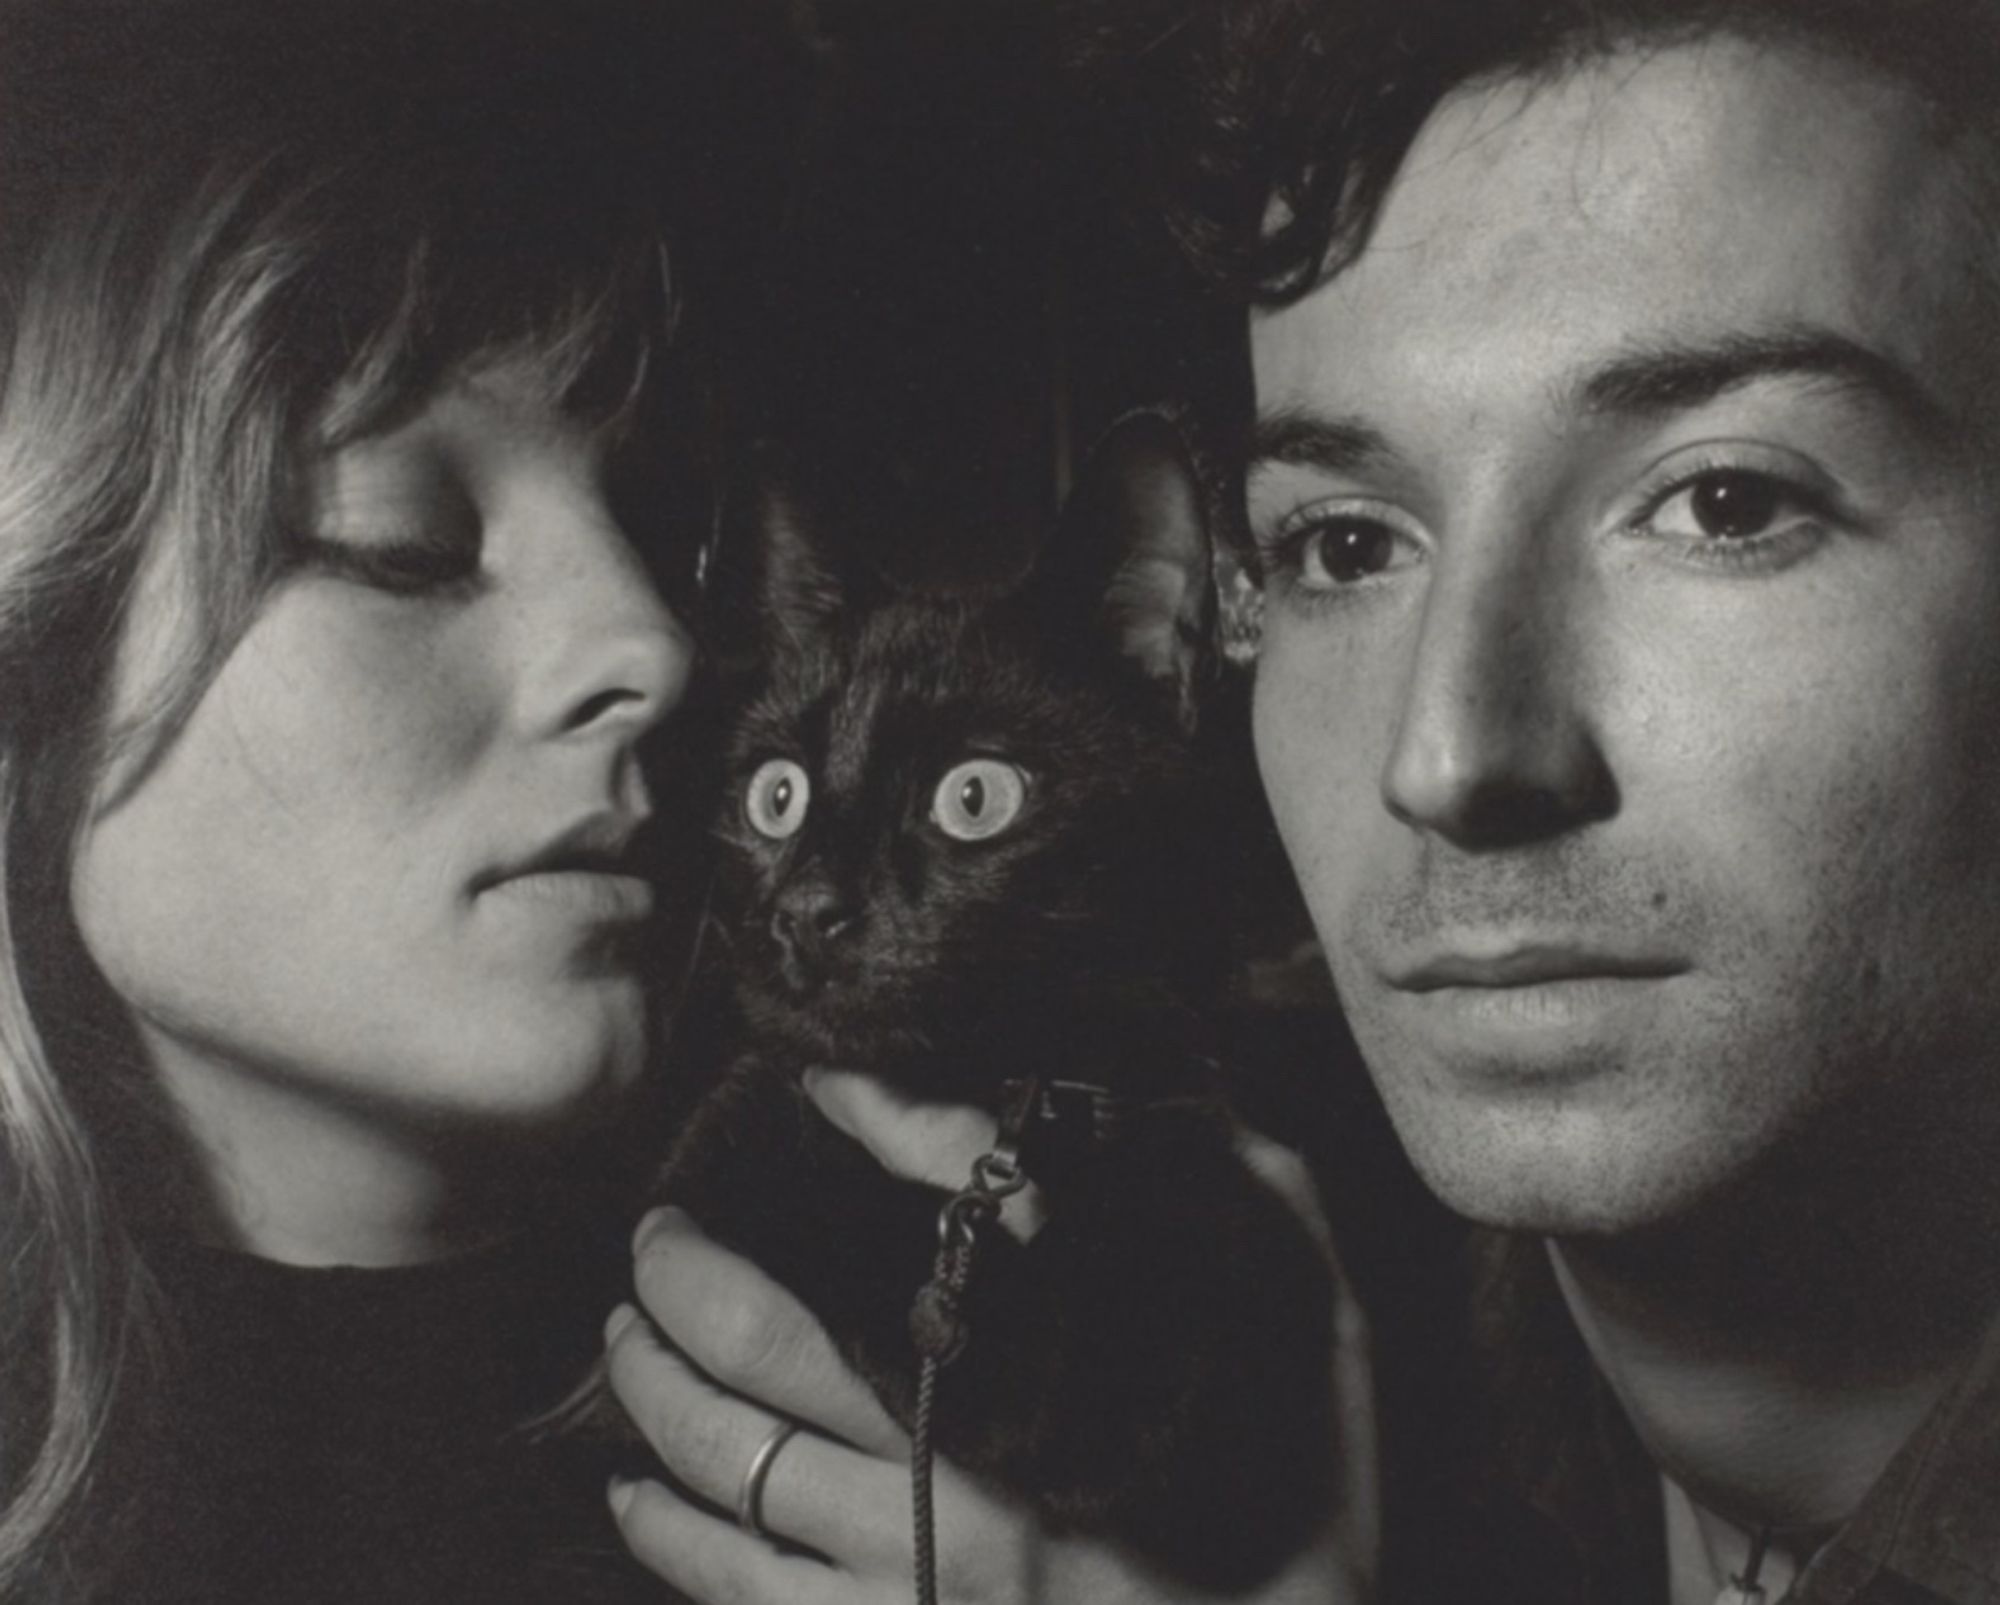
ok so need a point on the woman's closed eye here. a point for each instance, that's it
(406, 565)
(395, 520)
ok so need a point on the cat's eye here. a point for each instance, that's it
(775, 803)
(978, 799)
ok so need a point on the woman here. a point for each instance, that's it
(352, 473)
(353, 452)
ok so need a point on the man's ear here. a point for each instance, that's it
(772, 578)
(1128, 567)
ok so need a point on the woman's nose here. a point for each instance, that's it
(625, 659)
(1496, 743)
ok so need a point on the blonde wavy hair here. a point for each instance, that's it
(229, 232)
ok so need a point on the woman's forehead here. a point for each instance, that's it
(494, 406)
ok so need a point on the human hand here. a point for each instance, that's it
(937, 1144)
(932, 1143)
(733, 1357)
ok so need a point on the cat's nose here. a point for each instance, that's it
(808, 917)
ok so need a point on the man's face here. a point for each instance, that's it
(1630, 692)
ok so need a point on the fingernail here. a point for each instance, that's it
(621, 1318)
(810, 1078)
(620, 1495)
(651, 1222)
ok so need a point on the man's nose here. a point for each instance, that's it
(1496, 744)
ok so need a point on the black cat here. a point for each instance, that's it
(968, 841)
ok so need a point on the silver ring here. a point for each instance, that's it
(750, 1497)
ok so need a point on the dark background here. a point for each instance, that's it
(963, 296)
(966, 291)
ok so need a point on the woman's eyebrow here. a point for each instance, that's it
(1675, 376)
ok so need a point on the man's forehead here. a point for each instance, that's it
(1672, 198)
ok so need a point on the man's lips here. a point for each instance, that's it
(1500, 966)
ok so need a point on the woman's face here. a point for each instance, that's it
(378, 895)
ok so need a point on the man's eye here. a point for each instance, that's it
(1347, 550)
(1727, 504)
(1329, 552)
(1739, 519)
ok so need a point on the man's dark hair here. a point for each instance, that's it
(1275, 127)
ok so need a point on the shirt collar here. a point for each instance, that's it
(1928, 1532)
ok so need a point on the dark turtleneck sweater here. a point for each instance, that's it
(352, 1437)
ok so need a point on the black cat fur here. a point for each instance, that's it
(1154, 1365)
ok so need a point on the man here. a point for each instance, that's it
(1625, 487)
(1629, 703)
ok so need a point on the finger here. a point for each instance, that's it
(1360, 1518)
(816, 1493)
(932, 1143)
(710, 1560)
(751, 1336)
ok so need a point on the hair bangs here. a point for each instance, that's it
(588, 327)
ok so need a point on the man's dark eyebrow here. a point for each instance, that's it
(1312, 440)
(1673, 378)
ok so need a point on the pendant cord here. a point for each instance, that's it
(1743, 1588)
(1760, 1542)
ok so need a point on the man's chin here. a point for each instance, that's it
(1558, 1173)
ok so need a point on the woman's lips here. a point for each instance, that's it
(594, 869)
(594, 894)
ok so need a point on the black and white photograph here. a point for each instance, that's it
(999, 802)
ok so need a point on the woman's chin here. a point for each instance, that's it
(549, 1069)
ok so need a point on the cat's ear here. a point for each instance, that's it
(772, 574)
(1129, 564)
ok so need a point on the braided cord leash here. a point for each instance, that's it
(937, 1318)
(1060, 1123)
